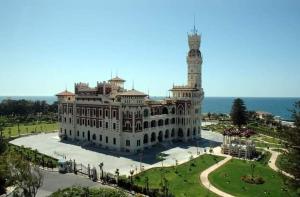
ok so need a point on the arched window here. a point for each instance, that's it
(160, 122)
(173, 110)
(167, 134)
(160, 136)
(153, 137)
(180, 132)
(153, 123)
(173, 133)
(166, 121)
(165, 110)
(146, 112)
(146, 125)
(145, 138)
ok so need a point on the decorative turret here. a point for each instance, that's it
(65, 96)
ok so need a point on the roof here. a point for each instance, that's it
(132, 92)
(65, 93)
(117, 79)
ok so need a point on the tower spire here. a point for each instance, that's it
(194, 29)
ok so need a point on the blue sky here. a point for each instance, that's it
(250, 48)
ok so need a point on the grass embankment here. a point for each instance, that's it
(33, 156)
(29, 128)
(77, 191)
(183, 180)
(228, 179)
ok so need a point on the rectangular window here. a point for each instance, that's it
(100, 123)
(114, 126)
(127, 142)
(114, 140)
(70, 120)
(106, 139)
(78, 133)
(70, 132)
(138, 142)
(83, 134)
(114, 114)
(106, 125)
(100, 137)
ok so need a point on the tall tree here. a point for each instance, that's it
(25, 176)
(238, 112)
(293, 139)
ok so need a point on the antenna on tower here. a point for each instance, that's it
(194, 30)
(111, 74)
(132, 84)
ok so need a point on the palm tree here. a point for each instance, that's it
(252, 167)
(147, 183)
(131, 175)
(9, 132)
(101, 169)
(117, 175)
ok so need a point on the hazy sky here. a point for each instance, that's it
(250, 48)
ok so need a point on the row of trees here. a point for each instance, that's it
(23, 107)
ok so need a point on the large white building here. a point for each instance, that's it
(112, 117)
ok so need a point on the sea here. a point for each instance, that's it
(277, 106)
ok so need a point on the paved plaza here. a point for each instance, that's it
(50, 144)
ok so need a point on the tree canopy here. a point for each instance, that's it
(26, 107)
(238, 112)
(293, 139)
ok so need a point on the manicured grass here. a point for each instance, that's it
(185, 182)
(265, 145)
(278, 150)
(283, 163)
(30, 128)
(228, 179)
(271, 140)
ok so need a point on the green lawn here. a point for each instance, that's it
(283, 163)
(262, 144)
(185, 182)
(228, 179)
(30, 128)
(271, 140)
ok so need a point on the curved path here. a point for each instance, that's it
(272, 163)
(204, 175)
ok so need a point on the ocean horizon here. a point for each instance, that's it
(278, 106)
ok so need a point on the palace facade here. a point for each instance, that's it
(112, 117)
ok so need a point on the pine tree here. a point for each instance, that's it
(238, 112)
(293, 139)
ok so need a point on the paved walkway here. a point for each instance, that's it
(272, 163)
(204, 175)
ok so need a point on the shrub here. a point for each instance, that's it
(253, 180)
